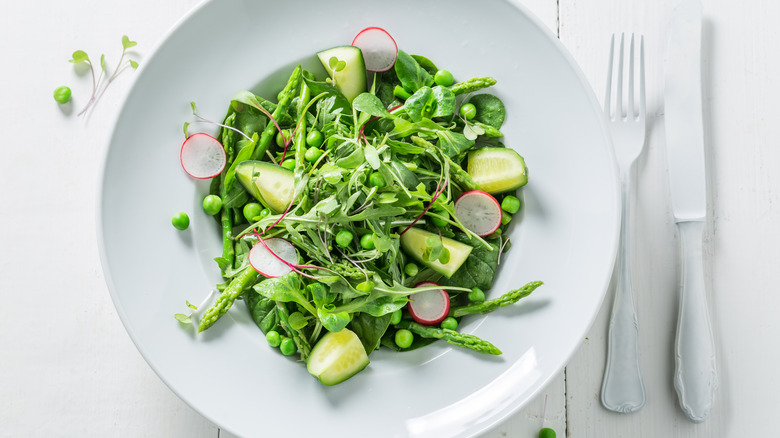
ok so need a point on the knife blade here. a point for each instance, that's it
(695, 377)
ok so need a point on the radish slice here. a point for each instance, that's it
(378, 47)
(274, 259)
(429, 307)
(479, 212)
(202, 156)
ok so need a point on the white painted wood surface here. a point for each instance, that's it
(69, 369)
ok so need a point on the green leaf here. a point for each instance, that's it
(103, 62)
(370, 329)
(426, 64)
(333, 62)
(133, 64)
(186, 129)
(182, 318)
(479, 268)
(471, 131)
(420, 104)
(263, 311)
(333, 322)
(286, 288)
(192, 105)
(79, 56)
(490, 110)
(445, 101)
(453, 143)
(409, 72)
(297, 321)
(126, 43)
(372, 156)
(191, 306)
(370, 104)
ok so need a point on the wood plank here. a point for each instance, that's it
(740, 59)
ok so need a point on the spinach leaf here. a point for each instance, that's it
(370, 104)
(370, 329)
(285, 289)
(490, 110)
(420, 104)
(409, 72)
(479, 268)
(263, 311)
(244, 153)
(445, 101)
(236, 197)
(427, 64)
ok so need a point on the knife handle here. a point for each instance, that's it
(695, 376)
(623, 389)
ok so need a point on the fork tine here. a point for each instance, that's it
(642, 103)
(619, 108)
(608, 94)
(631, 111)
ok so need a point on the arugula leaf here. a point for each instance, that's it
(409, 72)
(340, 102)
(370, 104)
(453, 143)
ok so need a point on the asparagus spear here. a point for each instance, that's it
(223, 303)
(300, 130)
(508, 298)
(472, 85)
(451, 336)
(300, 341)
(286, 96)
(228, 249)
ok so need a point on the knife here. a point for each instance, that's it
(695, 377)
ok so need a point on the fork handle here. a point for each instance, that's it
(695, 375)
(623, 389)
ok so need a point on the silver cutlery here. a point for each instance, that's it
(623, 389)
(695, 377)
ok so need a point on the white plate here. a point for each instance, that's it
(566, 238)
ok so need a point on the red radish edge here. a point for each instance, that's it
(488, 230)
(267, 248)
(368, 56)
(425, 314)
(215, 164)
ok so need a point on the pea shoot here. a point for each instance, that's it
(100, 82)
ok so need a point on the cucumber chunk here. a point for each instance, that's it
(272, 185)
(350, 78)
(337, 357)
(497, 170)
(413, 242)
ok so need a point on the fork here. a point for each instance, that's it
(622, 389)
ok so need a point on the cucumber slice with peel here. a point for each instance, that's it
(413, 241)
(350, 69)
(337, 357)
(497, 170)
(272, 185)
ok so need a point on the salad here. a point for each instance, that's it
(361, 210)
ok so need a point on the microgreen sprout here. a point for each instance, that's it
(186, 318)
(101, 81)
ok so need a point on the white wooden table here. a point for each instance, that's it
(68, 368)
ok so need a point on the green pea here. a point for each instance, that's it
(287, 346)
(212, 204)
(367, 241)
(443, 78)
(281, 135)
(289, 163)
(314, 138)
(468, 111)
(376, 180)
(510, 204)
(546, 432)
(411, 269)
(404, 338)
(449, 323)
(312, 154)
(252, 210)
(476, 295)
(344, 238)
(180, 220)
(273, 338)
(395, 318)
(62, 94)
